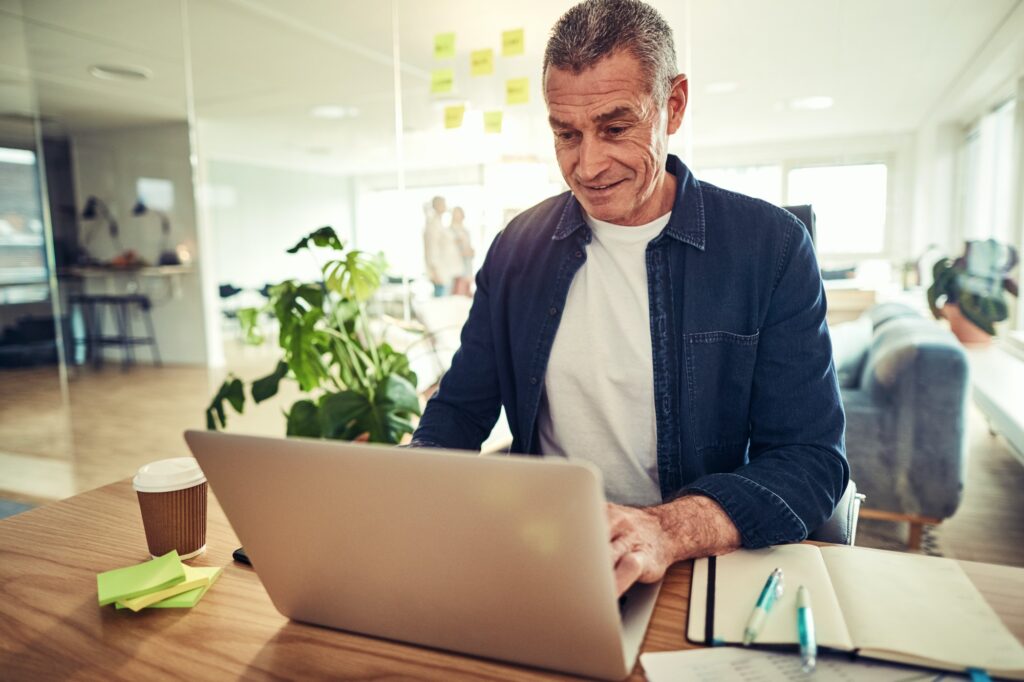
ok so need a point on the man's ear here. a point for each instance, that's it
(678, 98)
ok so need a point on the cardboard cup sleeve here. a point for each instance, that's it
(175, 520)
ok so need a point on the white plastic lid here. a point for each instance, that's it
(167, 475)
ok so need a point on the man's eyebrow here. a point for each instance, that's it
(555, 123)
(617, 112)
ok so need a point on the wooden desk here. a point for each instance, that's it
(51, 627)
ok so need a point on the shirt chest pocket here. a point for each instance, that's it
(719, 377)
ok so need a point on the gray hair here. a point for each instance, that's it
(594, 29)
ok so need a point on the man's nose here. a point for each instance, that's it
(593, 159)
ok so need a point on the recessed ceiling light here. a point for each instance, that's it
(114, 72)
(813, 103)
(721, 88)
(333, 111)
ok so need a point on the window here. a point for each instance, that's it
(763, 182)
(849, 203)
(23, 271)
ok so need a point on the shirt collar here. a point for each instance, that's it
(685, 224)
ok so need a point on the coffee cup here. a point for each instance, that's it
(172, 497)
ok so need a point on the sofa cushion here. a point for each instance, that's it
(850, 342)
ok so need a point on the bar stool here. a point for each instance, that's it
(119, 309)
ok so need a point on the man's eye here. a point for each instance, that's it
(615, 131)
(565, 136)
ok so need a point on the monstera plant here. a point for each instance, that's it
(355, 387)
(974, 286)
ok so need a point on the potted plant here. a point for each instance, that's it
(357, 388)
(970, 291)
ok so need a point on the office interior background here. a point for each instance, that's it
(159, 156)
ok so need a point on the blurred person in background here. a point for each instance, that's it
(440, 250)
(463, 283)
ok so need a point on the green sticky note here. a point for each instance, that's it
(134, 581)
(512, 42)
(444, 46)
(517, 91)
(441, 81)
(453, 116)
(189, 598)
(492, 121)
(481, 62)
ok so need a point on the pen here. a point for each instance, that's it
(805, 628)
(772, 591)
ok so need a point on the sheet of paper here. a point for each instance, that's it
(145, 600)
(920, 606)
(134, 581)
(741, 575)
(442, 81)
(190, 598)
(481, 62)
(750, 665)
(512, 42)
(492, 121)
(444, 46)
(453, 116)
(517, 91)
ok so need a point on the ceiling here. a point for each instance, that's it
(259, 66)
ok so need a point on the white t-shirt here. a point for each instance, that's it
(598, 401)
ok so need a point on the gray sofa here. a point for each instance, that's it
(904, 382)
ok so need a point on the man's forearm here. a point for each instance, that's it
(696, 526)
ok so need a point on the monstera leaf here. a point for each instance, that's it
(323, 237)
(349, 414)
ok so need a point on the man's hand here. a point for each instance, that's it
(647, 540)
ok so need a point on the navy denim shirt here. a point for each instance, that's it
(747, 404)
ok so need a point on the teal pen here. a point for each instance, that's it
(805, 628)
(769, 594)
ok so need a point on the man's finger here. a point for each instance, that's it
(626, 572)
(620, 547)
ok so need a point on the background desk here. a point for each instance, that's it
(51, 627)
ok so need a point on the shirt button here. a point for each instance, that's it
(533, 380)
(553, 311)
(579, 254)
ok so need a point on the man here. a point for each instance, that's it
(671, 332)
(440, 250)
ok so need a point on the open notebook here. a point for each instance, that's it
(884, 605)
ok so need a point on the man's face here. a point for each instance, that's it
(611, 138)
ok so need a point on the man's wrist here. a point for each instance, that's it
(697, 526)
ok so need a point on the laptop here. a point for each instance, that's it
(496, 556)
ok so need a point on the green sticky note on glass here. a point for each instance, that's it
(444, 46)
(492, 121)
(453, 116)
(517, 91)
(189, 598)
(134, 581)
(481, 62)
(512, 42)
(442, 81)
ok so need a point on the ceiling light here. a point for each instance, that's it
(813, 103)
(721, 88)
(333, 111)
(113, 72)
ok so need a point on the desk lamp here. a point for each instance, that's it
(168, 256)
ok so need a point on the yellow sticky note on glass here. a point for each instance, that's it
(453, 116)
(444, 46)
(492, 121)
(442, 81)
(481, 62)
(512, 42)
(517, 91)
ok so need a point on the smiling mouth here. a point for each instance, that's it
(603, 188)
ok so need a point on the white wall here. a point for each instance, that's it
(257, 212)
(107, 165)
